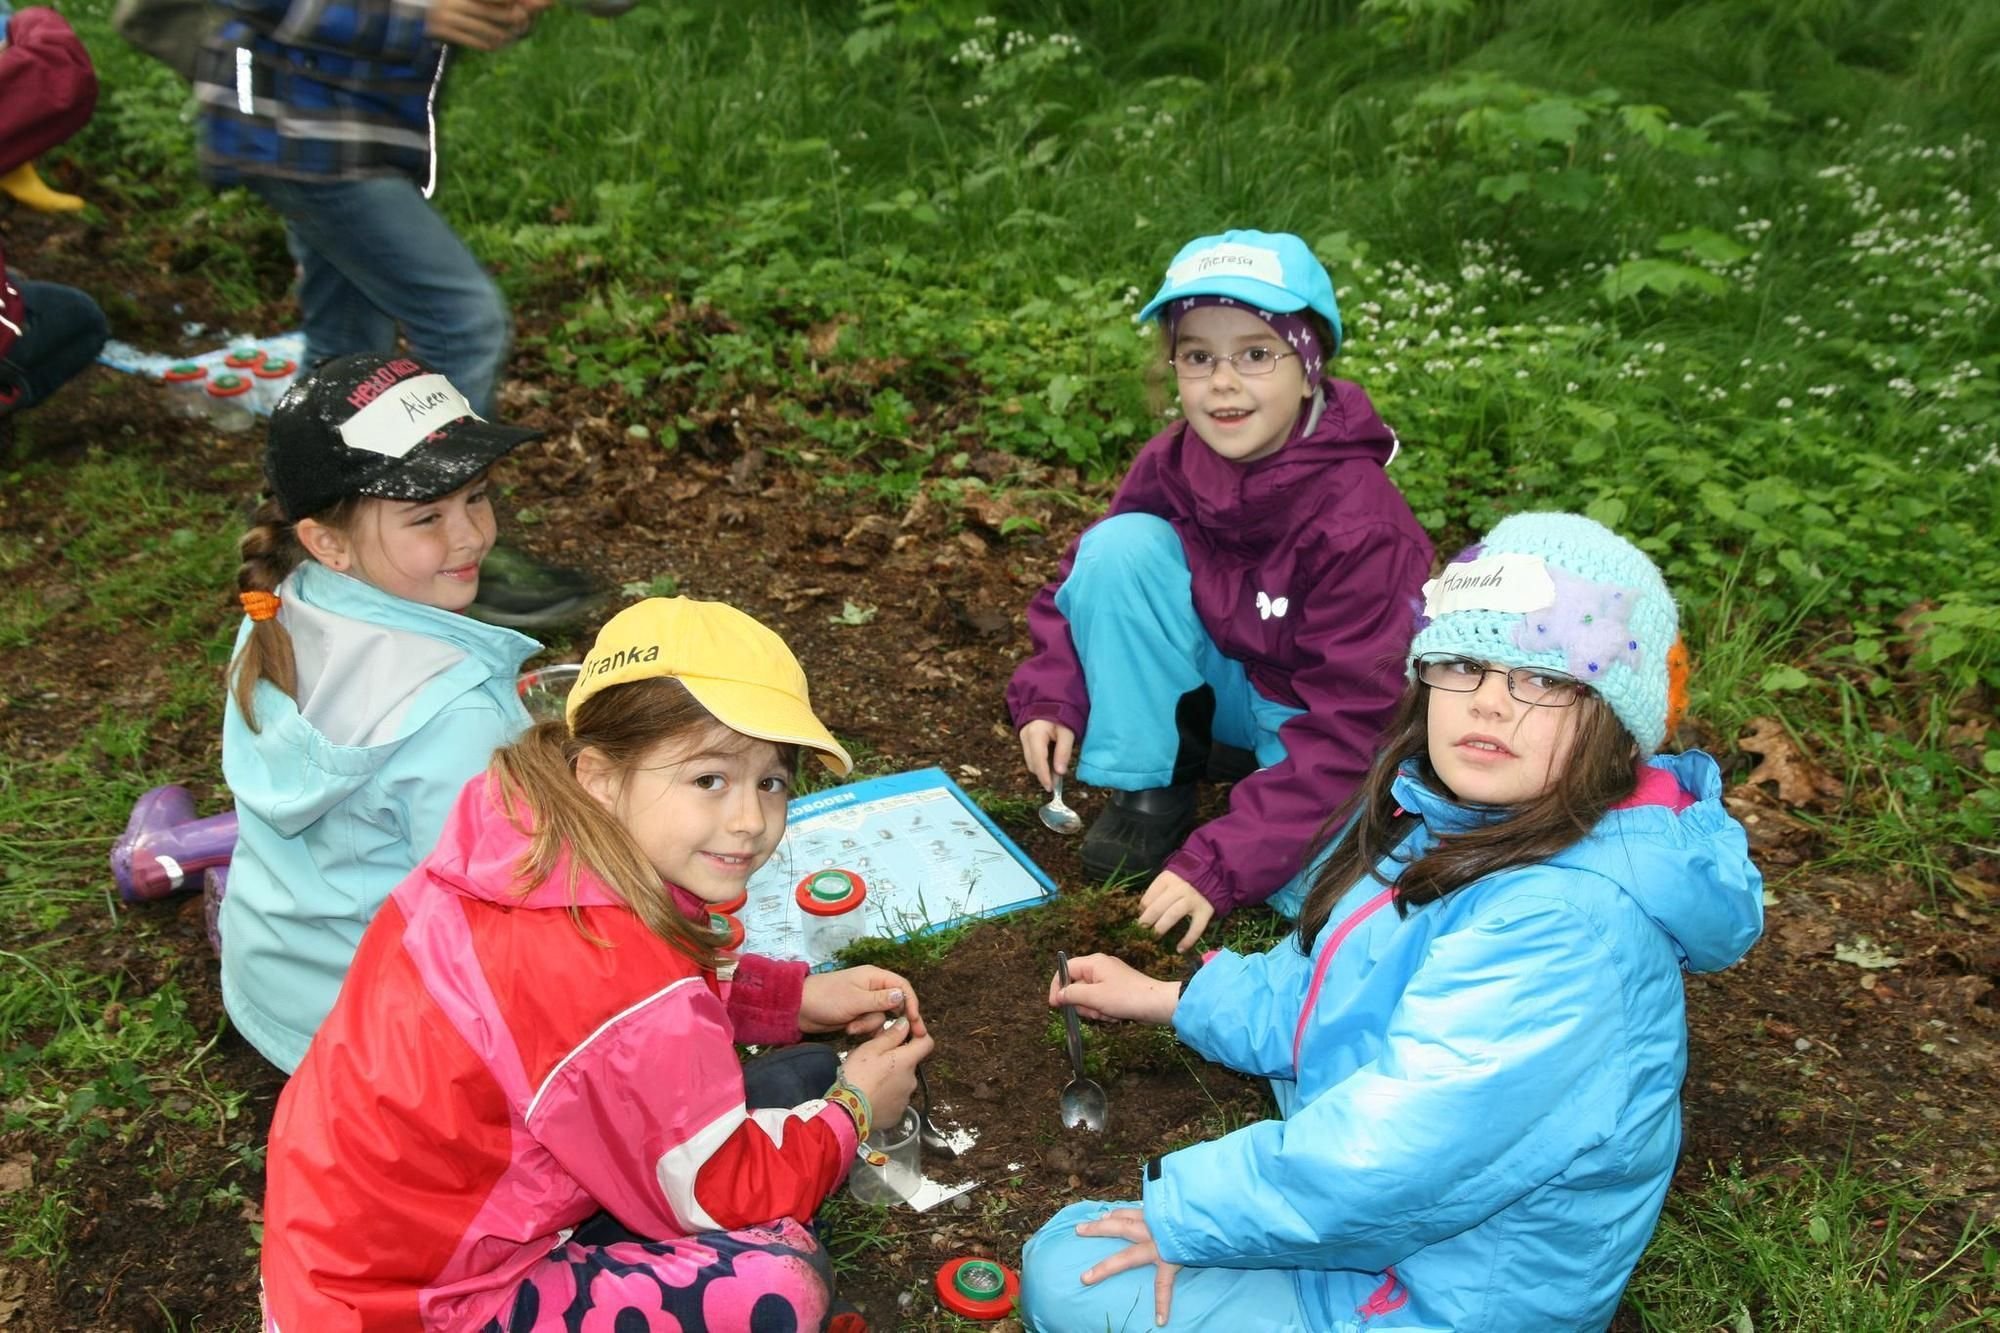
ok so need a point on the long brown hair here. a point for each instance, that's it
(535, 781)
(271, 550)
(1600, 772)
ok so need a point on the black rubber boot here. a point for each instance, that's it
(1137, 832)
(1227, 764)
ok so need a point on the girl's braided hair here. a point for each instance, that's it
(271, 551)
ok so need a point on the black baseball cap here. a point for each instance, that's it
(386, 426)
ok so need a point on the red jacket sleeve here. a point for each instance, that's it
(763, 1000)
(47, 86)
(648, 1117)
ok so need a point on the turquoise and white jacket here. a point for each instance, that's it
(1482, 1097)
(341, 793)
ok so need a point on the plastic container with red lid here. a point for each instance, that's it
(274, 375)
(978, 1288)
(831, 901)
(244, 358)
(188, 384)
(229, 403)
(728, 926)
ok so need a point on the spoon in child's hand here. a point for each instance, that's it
(1057, 817)
(1083, 1103)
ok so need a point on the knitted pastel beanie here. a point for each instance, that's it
(1564, 592)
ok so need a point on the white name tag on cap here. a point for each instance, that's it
(1230, 261)
(1514, 583)
(405, 415)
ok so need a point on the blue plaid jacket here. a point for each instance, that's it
(319, 90)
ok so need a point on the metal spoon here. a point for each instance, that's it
(1059, 818)
(1083, 1104)
(927, 1131)
(933, 1137)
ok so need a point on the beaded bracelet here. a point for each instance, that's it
(855, 1102)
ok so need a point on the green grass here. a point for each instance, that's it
(1810, 1250)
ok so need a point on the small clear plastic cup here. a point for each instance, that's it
(545, 690)
(898, 1179)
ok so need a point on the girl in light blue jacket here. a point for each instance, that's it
(1477, 1037)
(361, 697)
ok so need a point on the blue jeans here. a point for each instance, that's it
(64, 331)
(376, 256)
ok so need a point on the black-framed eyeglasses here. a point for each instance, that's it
(1531, 685)
(1200, 363)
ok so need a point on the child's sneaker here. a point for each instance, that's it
(158, 810)
(1138, 831)
(214, 887)
(520, 592)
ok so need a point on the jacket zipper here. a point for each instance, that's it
(1366, 910)
(1391, 1296)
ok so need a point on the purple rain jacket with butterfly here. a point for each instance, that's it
(1308, 569)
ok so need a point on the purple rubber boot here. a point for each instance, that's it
(214, 887)
(159, 809)
(171, 860)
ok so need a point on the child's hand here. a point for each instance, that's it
(1101, 986)
(1046, 746)
(855, 1000)
(1169, 898)
(885, 1069)
(1130, 1224)
(483, 25)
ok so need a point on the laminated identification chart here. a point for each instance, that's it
(925, 855)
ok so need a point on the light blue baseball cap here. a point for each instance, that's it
(1272, 270)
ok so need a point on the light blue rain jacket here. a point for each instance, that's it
(340, 794)
(1483, 1097)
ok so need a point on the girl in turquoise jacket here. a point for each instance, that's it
(362, 698)
(1477, 1037)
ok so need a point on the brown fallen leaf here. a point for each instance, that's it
(1799, 780)
(16, 1174)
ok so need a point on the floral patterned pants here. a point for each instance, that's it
(769, 1279)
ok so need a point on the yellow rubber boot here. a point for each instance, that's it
(27, 186)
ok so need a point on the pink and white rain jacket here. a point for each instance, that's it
(490, 1077)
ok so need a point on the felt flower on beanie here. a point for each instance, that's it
(1564, 592)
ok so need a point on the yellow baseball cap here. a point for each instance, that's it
(735, 667)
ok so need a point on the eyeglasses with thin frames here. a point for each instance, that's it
(1530, 685)
(1200, 363)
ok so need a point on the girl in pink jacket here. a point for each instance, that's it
(525, 1113)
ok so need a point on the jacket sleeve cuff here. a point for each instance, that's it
(844, 1133)
(1206, 877)
(763, 1000)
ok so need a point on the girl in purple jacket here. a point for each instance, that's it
(1254, 585)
